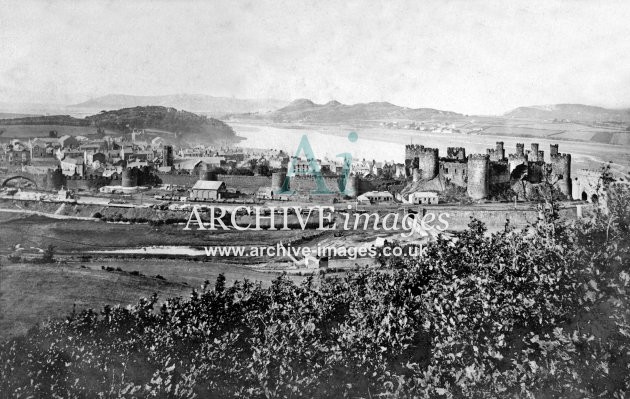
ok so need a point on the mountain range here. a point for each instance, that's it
(304, 110)
(180, 126)
(571, 112)
(198, 103)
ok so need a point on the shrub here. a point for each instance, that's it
(539, 313)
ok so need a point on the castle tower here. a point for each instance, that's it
(400, 171)
(533, 154)
(129, 178)
(520, 149)
(478, 176)
(167, 155)
(458, 153)
(561, 171)
(498, 153)
(352, 186)
(428, 162)
(416, 175)
(279, 182)
(412, 152)
(553, 150)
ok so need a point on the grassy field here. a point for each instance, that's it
(32, 293)
(80, 236)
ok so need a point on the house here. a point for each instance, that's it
(137, 164)
(208, 190)
(376, 197)
(423, 197)
(361, 168)
(46, 142)
(73, 166)
(144, 155)
(187, 164)
(112, 173)
(91, 157)
(67, 153)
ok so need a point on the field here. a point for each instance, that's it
(32, 293)
(74, 236)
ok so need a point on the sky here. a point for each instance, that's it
(474, 57)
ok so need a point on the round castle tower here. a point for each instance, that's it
(428, 163)
(278, 181)
(129, 178)
(411, 157)
(478, 176)
(533, 154)
(561, 170)
(352, 186)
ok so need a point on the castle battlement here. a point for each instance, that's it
(414, 147)
(500, 162)
(427, 150)
(517, 157)
(477, 172)
(478, 157)
(456, 152)
(566, 157)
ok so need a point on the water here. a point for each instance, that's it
(324, 145)
(382, 144)
(156, 250)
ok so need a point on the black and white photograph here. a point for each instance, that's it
(278, 199)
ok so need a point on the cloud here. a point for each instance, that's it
(472, 57)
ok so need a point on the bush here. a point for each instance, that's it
(540, 313)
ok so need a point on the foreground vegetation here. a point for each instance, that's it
(542, 313)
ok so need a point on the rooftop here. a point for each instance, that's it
(207, 185)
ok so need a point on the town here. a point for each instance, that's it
(142, 167)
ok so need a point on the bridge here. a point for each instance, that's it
(17, 177)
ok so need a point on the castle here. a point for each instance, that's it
(478, 172)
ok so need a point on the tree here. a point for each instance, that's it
(48, 255)
(263, 169)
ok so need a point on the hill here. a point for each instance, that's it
(570, 112)
(192, 102)
(304, 110)
(187, 125)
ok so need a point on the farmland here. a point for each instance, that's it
(34, 293)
